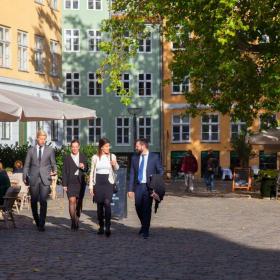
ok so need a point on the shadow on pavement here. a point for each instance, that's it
(169, 253)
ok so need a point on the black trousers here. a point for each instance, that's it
(143, 205)
(39, 193)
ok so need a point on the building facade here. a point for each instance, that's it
(212, 131)
(30, 61)
(81, 58)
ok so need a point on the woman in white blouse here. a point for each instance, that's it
(102, 178)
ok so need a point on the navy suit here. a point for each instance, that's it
(143, 200)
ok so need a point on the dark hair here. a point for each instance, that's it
(103, 141)
(74, 141)
(143, 141)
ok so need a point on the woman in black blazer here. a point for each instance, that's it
(74, 182)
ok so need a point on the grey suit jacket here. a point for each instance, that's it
(33, 169)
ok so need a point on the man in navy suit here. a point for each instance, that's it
(144, 164)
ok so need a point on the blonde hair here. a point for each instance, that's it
(41, 132)
(1, 166)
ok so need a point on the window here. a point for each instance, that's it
(94, 130)
(237, 128)
(180, 128)
(181, 88)
(145, 128)
(268, 121)
(122, 130)
(72, 130)
(22, 51)
(71, 4)
(5, 130)
(94, 87)
(72, 83)
(210, 128)
(267, 160)
(145, 44)
(54, 4)
(94, 39)
(4, 47)
(39, 45)
(126, 83)
(54, 71)
(94, 4)
(145, 85)
(54, 130)
(72, 40)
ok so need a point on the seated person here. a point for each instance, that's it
(18, 167)
(4, 182)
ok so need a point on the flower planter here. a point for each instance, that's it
(268, 188)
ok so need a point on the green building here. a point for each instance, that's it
(81, 58)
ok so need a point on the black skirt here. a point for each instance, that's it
(75, 188)
(103, 189)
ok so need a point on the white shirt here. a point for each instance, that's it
(42, 150)
(103, 165)
(144, 179)
(76, 159)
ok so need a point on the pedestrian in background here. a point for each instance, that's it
(101, 182)
(210, 168)
(189, 167)
(74, 181)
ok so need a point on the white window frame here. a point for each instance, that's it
(72, 127)
(145, 45)
(22, 41)
(94, 2)
(5, 55)
(123, 80)
(6, 130)
(239, 127)
(54, 64)
(73, 80)
(145, 84)
(182, 86)
(181, 124)
(210, 128)
(145, 126)
(95, 127)
(123, 127)
(95, 81)
(72, 4)
(54, 4)
(95, 38)
(70, 39)
(39, 54)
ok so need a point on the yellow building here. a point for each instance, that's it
(202, 133)
(30, 56)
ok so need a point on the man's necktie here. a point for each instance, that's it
(40, 154)
(141, 170)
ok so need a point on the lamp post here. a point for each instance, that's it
(134, 111)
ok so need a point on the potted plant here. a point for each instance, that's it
(268, 182)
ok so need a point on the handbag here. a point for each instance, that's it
(115, 187)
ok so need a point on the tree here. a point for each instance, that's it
(231, 50)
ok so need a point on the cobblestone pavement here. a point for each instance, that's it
(192, 237)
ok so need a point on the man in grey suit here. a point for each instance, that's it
(39, 166)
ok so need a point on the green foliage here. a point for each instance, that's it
(9, 154)
(243, 149)
(268, 174)
(232, 50)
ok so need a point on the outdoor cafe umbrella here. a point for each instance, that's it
(18, 106)
(269, 139)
